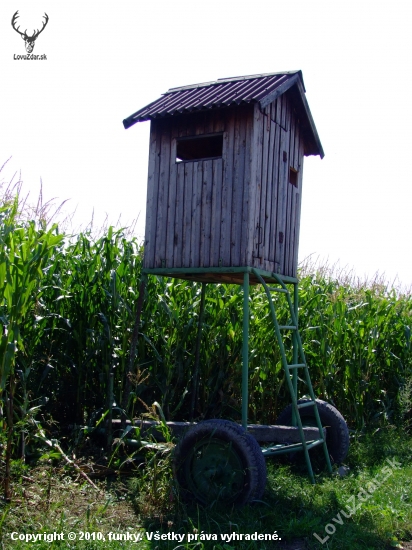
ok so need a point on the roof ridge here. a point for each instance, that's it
(261, 75)
(228, 79)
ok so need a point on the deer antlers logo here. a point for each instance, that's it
(28, 40)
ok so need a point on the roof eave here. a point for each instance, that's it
(314, 146)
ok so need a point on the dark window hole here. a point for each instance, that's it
(293, 176)
(199, 148)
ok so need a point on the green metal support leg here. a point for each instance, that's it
(245, 350)
(195, 380)
(295, 350)
(252, 275)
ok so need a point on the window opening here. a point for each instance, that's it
(199, 147)
(293, 176)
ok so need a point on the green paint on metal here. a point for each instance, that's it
(289, 448)
(212, 452)
(109, 421)
(298, 358)
(245, 350)
(195, 379)
(193, 271)
(295, 350)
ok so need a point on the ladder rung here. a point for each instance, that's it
(306, 404)
(277, 289)
(285, 448)
(290, 448)
(314, 443)
(288, 327)
(297, 366)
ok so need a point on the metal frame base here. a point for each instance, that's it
(247, 276)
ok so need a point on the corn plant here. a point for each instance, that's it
(91, 290)
(70, 334)
(25, 250)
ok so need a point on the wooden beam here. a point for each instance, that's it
(262, 433)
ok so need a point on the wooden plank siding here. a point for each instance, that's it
(191, 212)
(206, 213)
(227, 183)
(298, 207)
(163, 191)
(259, 132)
(272, 204)
(178, 225)
(216, 212)
(239, 183)
(271, 194)
(277, 147)
(296, 149)
(248, 196)
(217, 124)
(263, 198)
(238, 210)
(282, 189)
(171, 215)
(289, 188)
(295, 164)
(152, 194)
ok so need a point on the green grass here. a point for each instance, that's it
(48, 499)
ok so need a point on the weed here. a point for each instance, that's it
(154, 491)
(405, 403)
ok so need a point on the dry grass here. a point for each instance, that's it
(49, 498)
(346, 276)
(44, 212)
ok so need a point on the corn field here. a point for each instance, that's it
(67, 311)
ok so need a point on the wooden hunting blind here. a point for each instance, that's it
(223, 205)
(225, 176)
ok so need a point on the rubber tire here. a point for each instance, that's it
(235, 455)
(256, 450)
(337, 433)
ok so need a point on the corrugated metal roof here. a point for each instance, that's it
(223, 92)
(226, 92)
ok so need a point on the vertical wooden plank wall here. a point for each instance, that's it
(196, 210)
(187, 212)
(195, 126)
(152, 192)
(282, 185)
(239, 210)
(257, 152)
(294, 192)
(288, 187)
(278, 145)
(271, 193)
(298, 196)
(163, 189)
(271, 235)
(248, 196)
(217, 124)
(295, 161)
(227, 182)
(240, 128)
(261, 185)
